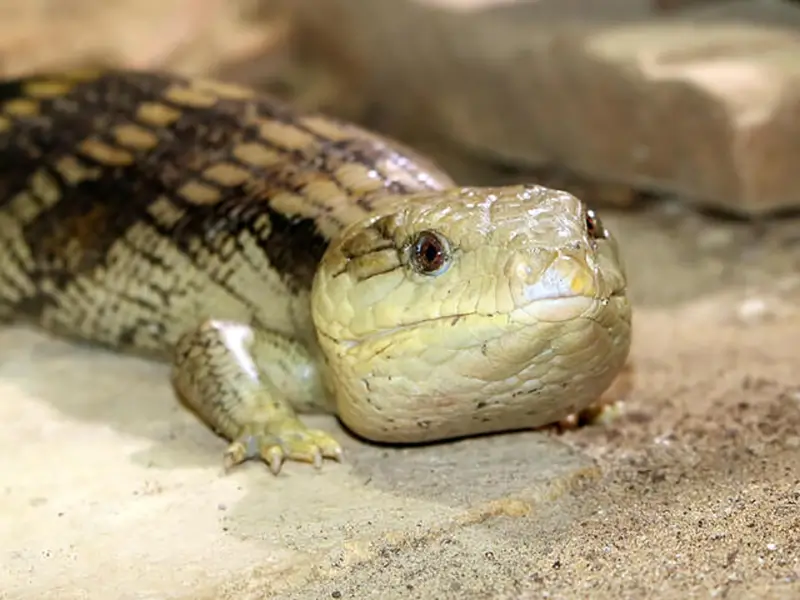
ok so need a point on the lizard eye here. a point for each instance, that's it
(594, 226)
(430, 253)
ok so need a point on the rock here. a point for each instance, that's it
(695, 102)
(706, 114)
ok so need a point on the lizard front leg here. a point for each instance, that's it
(246, 384)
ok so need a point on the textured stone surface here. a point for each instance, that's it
(105, 474)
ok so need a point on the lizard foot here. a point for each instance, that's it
(600, 412)
(283, 440)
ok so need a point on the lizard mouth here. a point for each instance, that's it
(553, 309)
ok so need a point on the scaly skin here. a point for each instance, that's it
(289, 263)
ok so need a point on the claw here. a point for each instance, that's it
(279, 442)
(329, 447)
(317, 460)
(235, 454)
(274, 456)
(603, 412)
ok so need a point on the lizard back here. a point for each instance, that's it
(133, 205)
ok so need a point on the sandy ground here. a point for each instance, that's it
(110, 489)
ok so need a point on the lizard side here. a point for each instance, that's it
(288, 263)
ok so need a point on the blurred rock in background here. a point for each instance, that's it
(692, 99)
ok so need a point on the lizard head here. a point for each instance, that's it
(468, 311)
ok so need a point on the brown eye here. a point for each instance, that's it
(429, 252)
(595, 226)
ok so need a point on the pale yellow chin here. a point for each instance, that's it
(471, 374)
